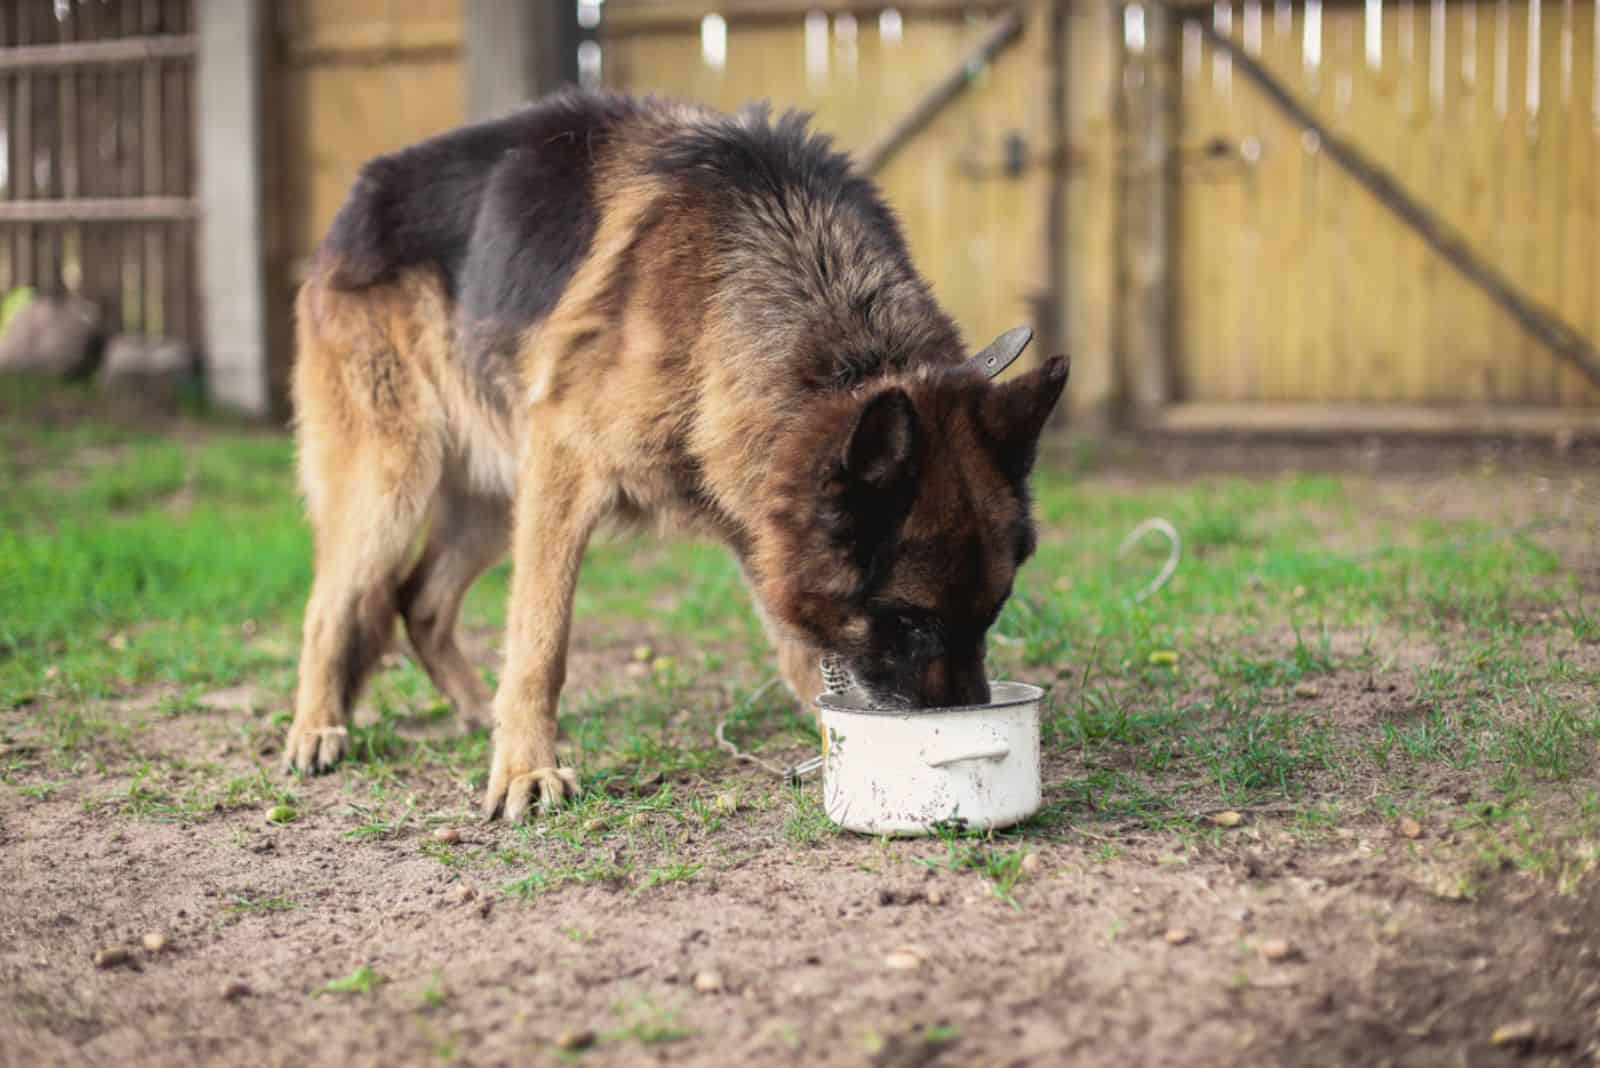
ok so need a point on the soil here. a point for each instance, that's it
(1377, 969)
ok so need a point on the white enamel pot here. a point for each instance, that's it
(900, 772)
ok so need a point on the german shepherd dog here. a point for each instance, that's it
(604, 308)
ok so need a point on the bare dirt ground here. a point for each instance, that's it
(1150, 958)
(1272, 941)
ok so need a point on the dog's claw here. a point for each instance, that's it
(314, 749)
(514, 797)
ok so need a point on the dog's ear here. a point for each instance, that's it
(882, 449)
(1013, 414)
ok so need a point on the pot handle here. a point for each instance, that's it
(991, 751)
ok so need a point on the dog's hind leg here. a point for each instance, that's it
(469, 534)
(370, 460)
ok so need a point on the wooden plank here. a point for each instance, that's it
(1149, 135)
(1278, 180)
(1345, 332)
(1536, 319)
(1581, 128)
(1355, 420)
(97, 209)
(126, 50)
(1467, 314)
(1200, 228)
(1548, 163)
(1092, 35)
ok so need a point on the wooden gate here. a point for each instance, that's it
(979, 185)
(1295, 285)
(97, 162)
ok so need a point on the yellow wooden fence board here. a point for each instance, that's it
(1090, 305)
(1280, 284)
(1582, 246)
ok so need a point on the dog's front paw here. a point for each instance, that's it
(513, 786)
(314, 749)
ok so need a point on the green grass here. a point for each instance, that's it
(361, 981)
(1309, 655)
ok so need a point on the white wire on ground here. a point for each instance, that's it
(1164, 527)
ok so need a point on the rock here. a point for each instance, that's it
(936, 896)
(1227, 819)
(708, 982)
(155, 941)
(572, 1040)
(245, 699)
(1409, 828)
(905, 959)
(447, 834)
(113, 957)
(235, 989)
(1278, 950)
(1179, 936)
(146, 368)
(1030, 864)
(463, 894)
(1306, 690)
(1516, 1033)
(52, 335)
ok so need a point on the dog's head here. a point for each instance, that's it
(902, 523)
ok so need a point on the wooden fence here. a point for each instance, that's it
(97, 161)
(1295, 284)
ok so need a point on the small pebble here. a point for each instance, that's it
(1410, 828)
(486, 907)
(235, 989)
(708, 982)
(1227, 819)
(1306, 691)
(1030, 864)
(904, 960)
(1278, 950)
(113, 957)
(1515, 1033)
(581, 1039)
(464, 893)
(1179, 936)
(936, 896)
(447, 834)
(155, 941)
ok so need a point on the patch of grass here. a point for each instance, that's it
(669, 873)
(645, 1022)
(807, 822)
(1001, 867)
(361, 981)
(245, 905)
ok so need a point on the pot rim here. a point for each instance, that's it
(1002, 695)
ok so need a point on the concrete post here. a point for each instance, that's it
(517, 50)
(232, 264)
